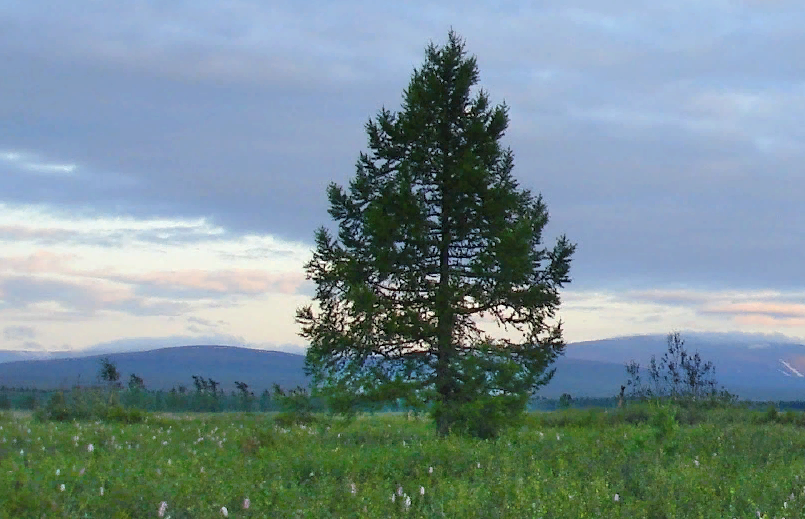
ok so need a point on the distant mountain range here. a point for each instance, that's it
(753, 366)
(163, 368)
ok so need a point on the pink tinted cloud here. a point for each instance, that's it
(40, 262)
(770, 321)
(759, 309)
(242, 281)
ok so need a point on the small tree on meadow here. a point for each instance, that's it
(678, 375)
(434, 234)
(136, 383)
(108, 372)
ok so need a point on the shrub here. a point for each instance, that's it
(87, 404)
(664, 421)
(483, 417)
(678, 376)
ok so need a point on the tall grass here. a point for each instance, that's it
(654, 461)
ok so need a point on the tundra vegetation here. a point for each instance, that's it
(433, 233)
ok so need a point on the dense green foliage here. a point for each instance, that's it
(434, 233)
(641, 461)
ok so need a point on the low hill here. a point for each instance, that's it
(753, 367)
(165, 368)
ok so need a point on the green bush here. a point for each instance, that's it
(484, 416)
(664, 421)
(87, 404)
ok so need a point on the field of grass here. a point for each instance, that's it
(631, 463)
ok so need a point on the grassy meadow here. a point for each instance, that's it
(641, 461)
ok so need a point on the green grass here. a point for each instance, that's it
(729, 463)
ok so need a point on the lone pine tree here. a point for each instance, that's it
(433, 235)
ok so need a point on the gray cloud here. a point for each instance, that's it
(666, 138)
(80, 299)
(18, 333)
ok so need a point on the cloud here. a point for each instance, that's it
(239, 281)
(39, 262)
(18, 333)
(166, 158)
(765, 309)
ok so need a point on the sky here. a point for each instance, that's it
(163, 165)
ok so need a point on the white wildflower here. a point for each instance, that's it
(353, 489)
(90, 448)
(58, 472)
(163, 506)
(224, 511)
(101, 490)
(430, 470)
(399, 491)
(617, 498)
(407, 502)
(421, 491)
(62, 487)
(246, 504)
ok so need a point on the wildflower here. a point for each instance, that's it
(246, 503)
(170, 462)
(58, 472)
(165, 442)
(430, 470)
(81, 472)
(224, 511)
(22, 452)
(353, 489)
(421, 491)
(696, 462)
(479, 464)
(163, 506)
(393, 497)
(101, 490)
(617, 498)
(62, 487)
(407, 502)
